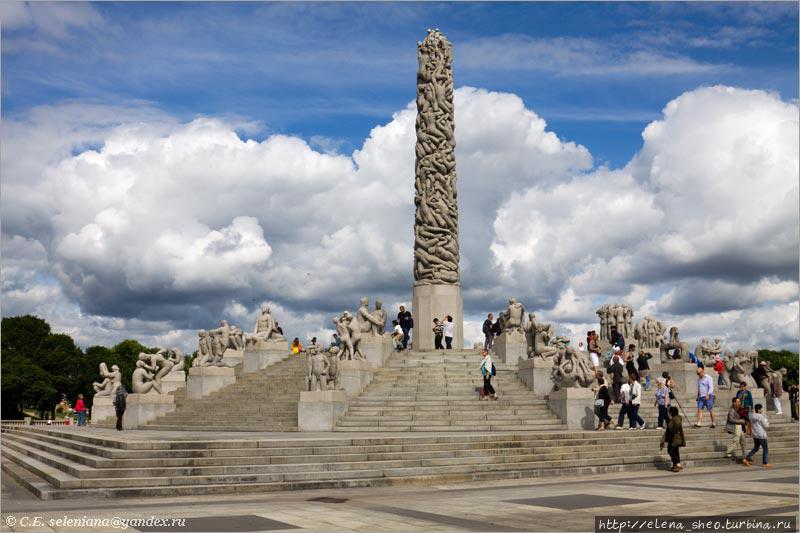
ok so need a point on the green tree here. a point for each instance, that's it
(782, 359)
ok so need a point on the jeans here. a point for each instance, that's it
(624, 409)
(633, 415)
(448, 343)
(647, 382)
(663, 415)
(119, 420)
(405, 337)
(489, 341)
(487, 385)
(675, 454)
(437, 342)
(615, 387)
(602, 414)
(81, 418)
(720, 380)
(760, 443)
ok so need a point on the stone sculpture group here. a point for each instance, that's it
(213, 344)
(436, 229)
(323, 369)
(615, 315)
(649, 333)
(111, 381)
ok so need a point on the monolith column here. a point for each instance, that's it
(437, 282)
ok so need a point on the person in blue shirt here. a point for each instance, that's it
(617, 339)
(705, 396)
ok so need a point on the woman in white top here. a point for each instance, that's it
(486, 370)
(449, 327)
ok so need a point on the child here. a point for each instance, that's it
(438, 332)
(760, 425)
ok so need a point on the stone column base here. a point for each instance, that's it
(232, 357)
(258, 359)
(144, 408)
(574, 406)
(103, 409)
(354, 376)
(684, 375)
(204, 380)
(436, 301)
(376, 349)
(173, 381)
(510, 347)
(535, 373)
(319, 410)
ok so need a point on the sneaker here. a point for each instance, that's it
(619, 427)
(698, 425)
(745, 462)
(767, 465)
(643, 426)
(712, 426)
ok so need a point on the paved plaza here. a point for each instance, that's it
(553, 504)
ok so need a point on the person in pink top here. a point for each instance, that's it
(80, 408)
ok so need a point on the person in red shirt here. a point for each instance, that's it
(719, 368)
(80, 408)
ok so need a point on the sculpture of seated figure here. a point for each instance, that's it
(538, 335)
(511, 319)
(680, 350)
(111, 381)
(740, 368)
(142, 379)
(380, 315)
(570, 367)
(266, 329)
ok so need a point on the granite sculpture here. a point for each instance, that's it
(266, 329)
(369, 324)
(571, 368)
(318, 366)
(538, 334)
(436, 231)
(379, 314)
(740, 367)
(679, 349)
(511, 319)
(112, 381)
(142, 378)
(615, 315)
(648, 333)
(333, 368)
(350, 334)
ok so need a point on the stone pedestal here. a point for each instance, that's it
(231, 357)
(535, 373)
(204, 380)
(575, 407)
(173, 381)
(259, 358)
(319, 410)
(436, 301)
(144, 408)
(354, 376)
(510, 347)
(103, 409)
(684, 375)
(376, 349)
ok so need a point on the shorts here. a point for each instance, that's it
(702, 403)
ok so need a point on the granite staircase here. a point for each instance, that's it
(439, 391)
(261, 401)
(73, 463)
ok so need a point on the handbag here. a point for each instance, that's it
(494, 370)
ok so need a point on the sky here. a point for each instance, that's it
(168, 165)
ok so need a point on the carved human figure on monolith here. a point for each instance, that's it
(111, 381)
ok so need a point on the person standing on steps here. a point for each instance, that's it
(449, 329)
(601, 402)
(705, 396)
(662, 402)
(120, 404)
(644, 367)
(674, 438)
(438, 333)
(487, 371)
(406, 323)
(80, 408)
(397, 335)
(488, 332)
(615, 368)
(760, 425)
(636, 402)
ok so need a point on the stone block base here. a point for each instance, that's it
(575, 407)
(173, 381)
(376, 349)
(144, 408)
(255, 360)
(319, 410)
(436, 301)
(103, 409)
(354, 376)
(510, 347)
(204, 380)
(232, 357)
(684, 375)
(535, 373)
